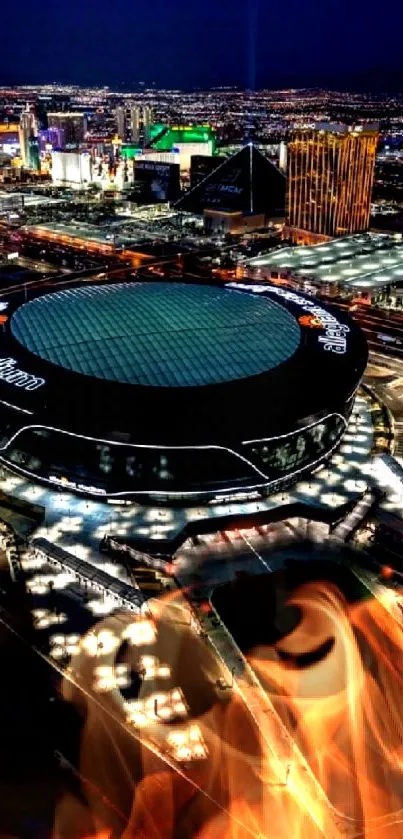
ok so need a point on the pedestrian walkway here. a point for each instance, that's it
(354, 519)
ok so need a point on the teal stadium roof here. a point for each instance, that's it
(158, 334)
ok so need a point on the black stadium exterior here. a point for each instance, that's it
(174, 392)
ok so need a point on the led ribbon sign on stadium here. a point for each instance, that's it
(10, 373)
(335, 337)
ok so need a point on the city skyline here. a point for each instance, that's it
(219, 44)
(201, 421)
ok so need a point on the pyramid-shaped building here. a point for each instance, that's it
(246, 183)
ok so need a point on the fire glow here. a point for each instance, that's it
(328, 759)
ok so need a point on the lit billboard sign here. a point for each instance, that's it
(159, 181)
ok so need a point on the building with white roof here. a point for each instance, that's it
(364, 263)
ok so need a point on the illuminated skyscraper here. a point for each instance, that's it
(33, 154)
(73, 125)
(282, 162)
(28, 129)
(120, 115)
(147, 122)
(133, 122)
(330, 178)
(135, 114)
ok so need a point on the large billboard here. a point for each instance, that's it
(158, 181)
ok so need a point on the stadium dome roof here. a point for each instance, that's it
(160, 335)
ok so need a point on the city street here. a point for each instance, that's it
(384, 376)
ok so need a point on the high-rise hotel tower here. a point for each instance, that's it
(330, 178)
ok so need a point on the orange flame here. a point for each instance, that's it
(103, 834)
(309, 744)
(344, 706)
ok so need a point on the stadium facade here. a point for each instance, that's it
(174, 392)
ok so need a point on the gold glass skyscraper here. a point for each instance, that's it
(330, 178)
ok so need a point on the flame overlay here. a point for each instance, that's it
(327, 761)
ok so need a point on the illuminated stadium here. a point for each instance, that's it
(174, 392)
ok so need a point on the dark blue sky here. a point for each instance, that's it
(190, 43)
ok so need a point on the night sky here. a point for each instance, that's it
(350, 44)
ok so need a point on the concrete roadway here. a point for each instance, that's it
(385, 377)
